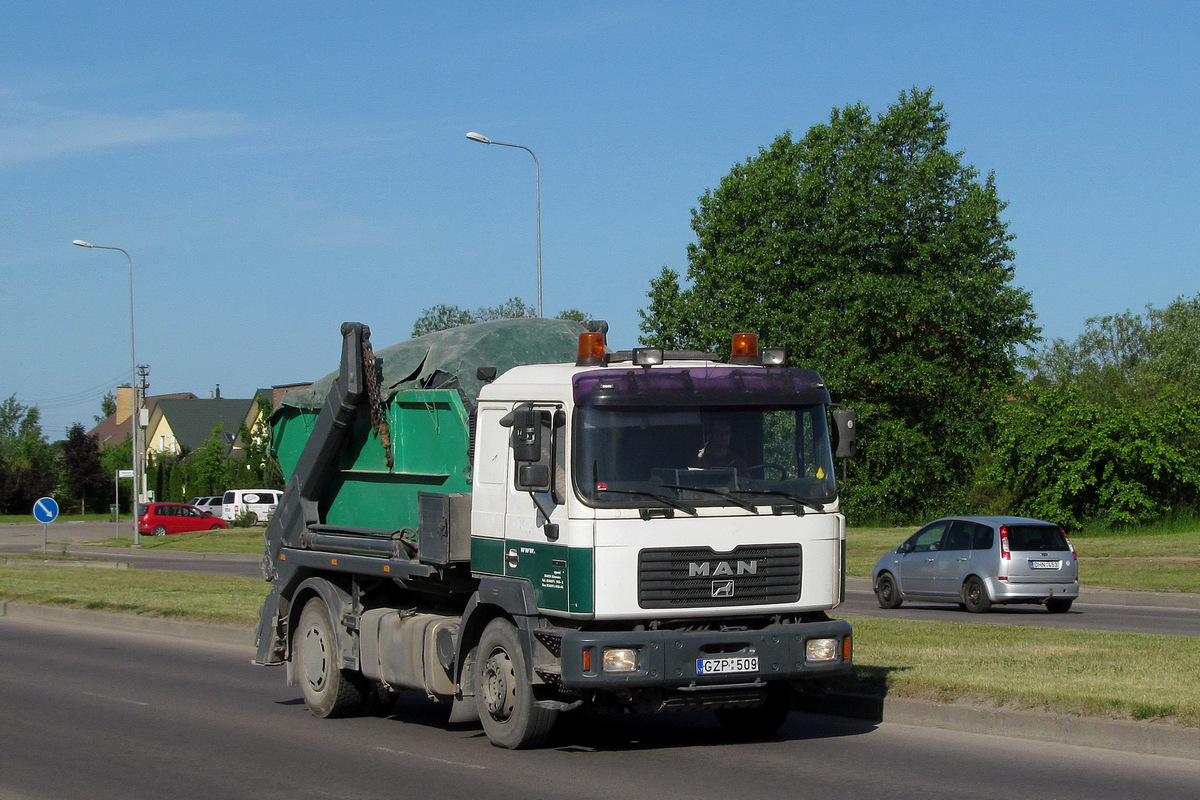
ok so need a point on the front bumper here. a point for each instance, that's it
(668, 658)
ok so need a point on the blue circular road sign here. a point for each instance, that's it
(45, 510)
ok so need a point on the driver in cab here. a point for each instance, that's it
(716, 453)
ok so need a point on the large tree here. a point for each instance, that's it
(1107, 430)
(27, 468)
(86, 480)
(1123, 356)
(873, 253)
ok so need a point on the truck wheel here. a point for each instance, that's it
(503, 693)
(975, 596)
(886, 591)
(328, 690)
(758, 722)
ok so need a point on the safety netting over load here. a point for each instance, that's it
(451, 358)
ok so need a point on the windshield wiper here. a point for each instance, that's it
(662, 498)
(815, 506)
(718, 492)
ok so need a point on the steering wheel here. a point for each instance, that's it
(770, 465)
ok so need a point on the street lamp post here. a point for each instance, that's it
(133, 394)
(537, 177)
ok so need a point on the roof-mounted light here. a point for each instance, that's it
(745, 349)
(592, 350)
(647, 356)
(773, 356)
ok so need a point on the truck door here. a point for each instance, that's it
(535, 512)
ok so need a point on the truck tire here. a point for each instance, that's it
(328, 690)
(503, 693)
(758, 722)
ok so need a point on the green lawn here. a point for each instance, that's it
(226, 540)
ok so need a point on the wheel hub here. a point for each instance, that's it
(313, 658)
(499, 685)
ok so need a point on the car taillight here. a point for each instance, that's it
(1004, 552)
(1067, 539)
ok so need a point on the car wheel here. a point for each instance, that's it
(1058, 605)
(328, 690)
(887, 592)
(758, 722)
(975, 596)
(215, 528)
(503, 694)
(159, 530)
(252, 518)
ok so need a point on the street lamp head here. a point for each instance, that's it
(478, 137)
(82, 243)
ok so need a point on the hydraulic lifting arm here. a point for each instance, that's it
(299, 507)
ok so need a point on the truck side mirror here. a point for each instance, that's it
(526, 437)
(845, 431)
(533, 477)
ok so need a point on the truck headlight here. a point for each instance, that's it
(620, 659)
(821, 650)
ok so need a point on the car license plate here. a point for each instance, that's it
(1045, 564)
(725, 666)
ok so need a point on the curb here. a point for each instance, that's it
(1148, 738)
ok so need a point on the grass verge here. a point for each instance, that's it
(1085, 673)
(203, 597)
(224, 540)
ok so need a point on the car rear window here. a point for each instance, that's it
(1036, 537)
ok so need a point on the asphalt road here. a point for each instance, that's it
(98, 715)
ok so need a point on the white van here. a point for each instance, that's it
(259, 504)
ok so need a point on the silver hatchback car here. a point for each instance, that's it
(980, 561)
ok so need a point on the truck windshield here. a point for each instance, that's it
(688, 457)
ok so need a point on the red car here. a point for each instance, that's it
(159, 519)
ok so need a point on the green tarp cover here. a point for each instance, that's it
(432, 360)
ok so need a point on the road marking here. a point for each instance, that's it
(430, 758)
(115, 699)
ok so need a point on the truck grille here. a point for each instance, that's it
(700, 576)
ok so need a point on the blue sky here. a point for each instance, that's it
(277, 168)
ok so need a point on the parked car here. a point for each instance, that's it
(159, 519)
(258, 504)
(211, 504)
(977, 562)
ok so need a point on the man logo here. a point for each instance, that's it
(707, 568)
(722, 588)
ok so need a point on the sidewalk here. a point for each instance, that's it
(1151, 738)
